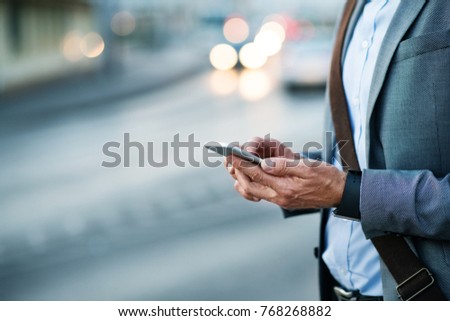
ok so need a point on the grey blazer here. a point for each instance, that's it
(406, 189)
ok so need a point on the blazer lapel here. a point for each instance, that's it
(407, 11)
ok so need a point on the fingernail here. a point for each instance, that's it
(256, 199)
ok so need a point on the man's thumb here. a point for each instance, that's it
(275, 166)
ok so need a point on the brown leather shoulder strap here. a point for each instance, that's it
(414, 280)
(338, 102)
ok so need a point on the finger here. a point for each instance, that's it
(227, 161)
(229, 166)
(285, 151)
(254, 188)
(252, 170)
(254, 146)
(232, 172)
(239, 163)
(279, 166)
(268, 147)
(274, 148)
(256, 174)
(263, 147)
(245, 195)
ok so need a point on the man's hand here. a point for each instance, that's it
(264, 148)
(289, 183)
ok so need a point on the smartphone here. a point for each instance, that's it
(227, 149)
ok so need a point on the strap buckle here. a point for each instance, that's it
(405, 287)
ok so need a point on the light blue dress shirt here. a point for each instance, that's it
(353, 260)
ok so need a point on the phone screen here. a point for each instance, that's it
(227, 149)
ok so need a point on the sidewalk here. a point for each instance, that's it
(140, 72)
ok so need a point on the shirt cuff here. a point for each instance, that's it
(349, 206)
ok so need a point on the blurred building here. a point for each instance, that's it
(42, 39)
(47, 39)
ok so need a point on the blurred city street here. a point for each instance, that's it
(72, 229)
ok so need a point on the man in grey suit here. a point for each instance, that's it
(391, 70)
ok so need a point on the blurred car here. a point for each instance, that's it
(305, 63)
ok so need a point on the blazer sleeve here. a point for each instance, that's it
(413, 203)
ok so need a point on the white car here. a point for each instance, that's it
(305, 63)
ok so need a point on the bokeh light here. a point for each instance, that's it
(223, 57)
(276, 28)
(254, 84)
(71, 46)
(236, 30)
(269, 42)
(251, 56)
(123, 23)
(223, 82)
(92, 45)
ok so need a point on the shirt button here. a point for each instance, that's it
(364, 44)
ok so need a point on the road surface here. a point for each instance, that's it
(71, 229)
